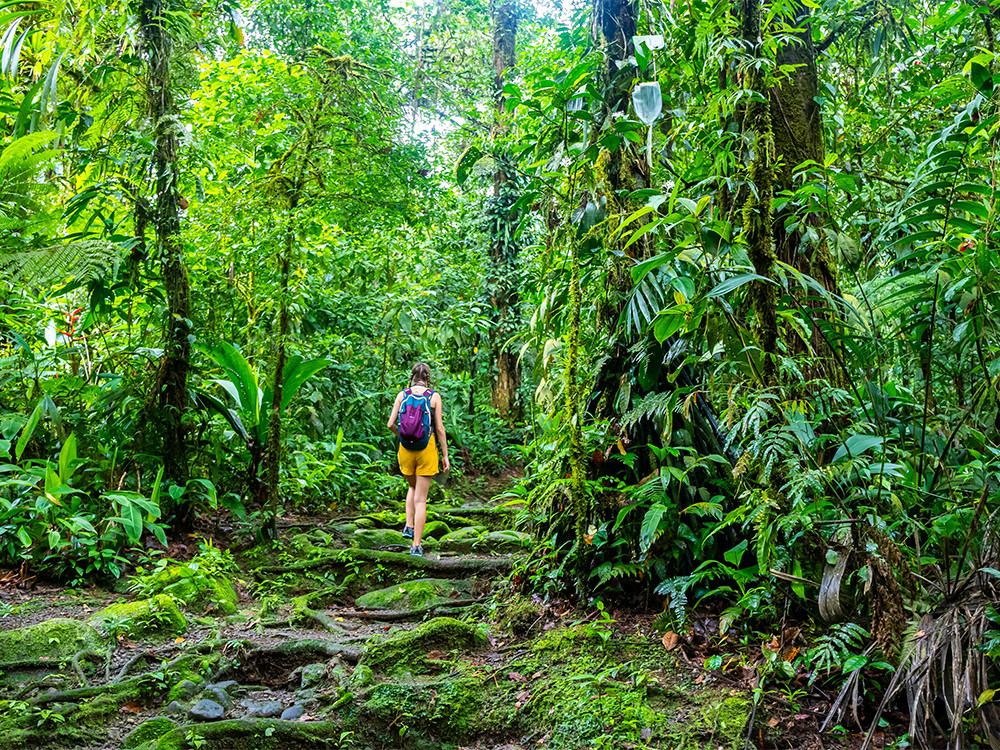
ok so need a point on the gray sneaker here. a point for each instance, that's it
(407, 532)
(417, 551)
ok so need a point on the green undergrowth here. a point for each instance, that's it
(577, 689)
(193, 589)
(79, 717)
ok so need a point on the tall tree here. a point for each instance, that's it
(797, 129)
(503, 244)
(615, 26)
(171, 380)
(758, 208)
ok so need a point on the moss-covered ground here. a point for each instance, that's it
(359, 647)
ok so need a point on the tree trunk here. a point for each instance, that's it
(295, 189)
(797, 128)
(758, 214)
(574, 422)
(623, 169)
(503, 246)
(173, 373)
(615, 23)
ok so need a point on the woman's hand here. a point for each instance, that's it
(447, 463)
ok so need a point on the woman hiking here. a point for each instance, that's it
(416, 418)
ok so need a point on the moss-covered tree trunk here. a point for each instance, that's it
(615, 24)
(574, 420)
(797, 131)
(171, 380)
(758, 209)
(624, 169)
(503, 246)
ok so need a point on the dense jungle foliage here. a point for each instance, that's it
(717, 281)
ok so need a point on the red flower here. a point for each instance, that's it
(969, 244)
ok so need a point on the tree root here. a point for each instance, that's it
(79, 670)
(132, 684)
(453, 568)
(47, 682)
(395, 615)
(288, 734)
(78, 694)
(129, 664)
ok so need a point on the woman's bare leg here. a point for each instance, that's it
(420, 490)
(412, 480)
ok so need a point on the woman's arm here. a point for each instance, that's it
(394, 416)
(439, 428)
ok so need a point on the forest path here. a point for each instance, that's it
(339, 638)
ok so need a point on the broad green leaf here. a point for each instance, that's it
(296, 374)
(650, 526)
(67, 455)
(736, 282)
(28, 431)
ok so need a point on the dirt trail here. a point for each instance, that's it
(338, 638)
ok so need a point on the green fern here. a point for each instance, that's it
(654, 406)
(78, 261)
(834, 648)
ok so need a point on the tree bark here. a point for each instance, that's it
(797, 129)
(758, 218)
(622, 169)
(615, 24)
(503, 246)
(175, 365)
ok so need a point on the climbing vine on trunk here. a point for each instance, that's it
(172, 379)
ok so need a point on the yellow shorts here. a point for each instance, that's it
(422, 463)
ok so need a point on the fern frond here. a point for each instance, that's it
(654, 406)
(79, 261)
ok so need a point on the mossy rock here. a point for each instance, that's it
(344, 530)
(187, 685)
(148, 731)
(365, 523)
(436, 529)
(59, 638)
(320, 538)
(378, 538)
(360, 678)
(157, 615)
(478, 539)
(445, 709)
(425, 592)
(408, 649)
(466, 534)
(301, 545)
(195, 590)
